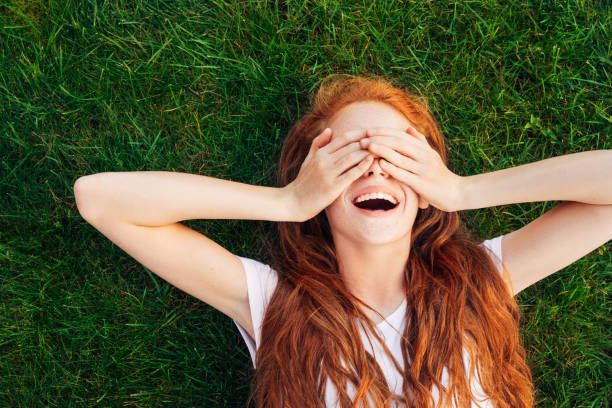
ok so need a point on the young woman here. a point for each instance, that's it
(377, 295)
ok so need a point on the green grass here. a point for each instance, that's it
(212, 87)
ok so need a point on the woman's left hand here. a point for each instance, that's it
(409, 159)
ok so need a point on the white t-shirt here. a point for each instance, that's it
(261, 282)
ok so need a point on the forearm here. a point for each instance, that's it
(583, 177)
(155, 198)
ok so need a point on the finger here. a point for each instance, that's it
(412, 131)
(402, 175)
(350, 160)
(396, 158)
(353, 174)
(343, 151)
(322, 139)
(345, 138)
(423, 204)
(399, 144)
(410, 137)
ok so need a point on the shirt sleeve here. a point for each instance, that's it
(261, 281)
(494, 248)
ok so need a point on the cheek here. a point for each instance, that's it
(337, 203)
(335, 208)
(410, 192)
(411, 196)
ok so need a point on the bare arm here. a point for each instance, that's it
(140, 213)
(156, 198)
(564, 234)
(584, 177)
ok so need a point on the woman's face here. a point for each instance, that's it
(344, 217)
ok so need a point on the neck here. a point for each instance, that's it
(374, 273)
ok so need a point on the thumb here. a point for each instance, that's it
(322, 139)
(423, 204)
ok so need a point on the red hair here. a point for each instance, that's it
(456, 298)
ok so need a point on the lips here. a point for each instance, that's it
(377, 213)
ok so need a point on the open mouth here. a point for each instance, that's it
(376, 204)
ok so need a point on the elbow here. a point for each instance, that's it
(83, 197)
(604, 212)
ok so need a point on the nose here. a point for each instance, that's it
(375, 168)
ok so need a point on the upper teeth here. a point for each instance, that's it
(372, 196)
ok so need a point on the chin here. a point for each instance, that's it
(384, 238)
(370, 236)
(348, 224)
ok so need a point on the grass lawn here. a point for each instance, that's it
(211, 88)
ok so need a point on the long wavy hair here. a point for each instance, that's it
(456, 298)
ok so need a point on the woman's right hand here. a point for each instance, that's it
(329, 168)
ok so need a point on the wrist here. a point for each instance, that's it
(290, 204)
(461, 194)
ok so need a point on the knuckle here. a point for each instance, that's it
(319, 165)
